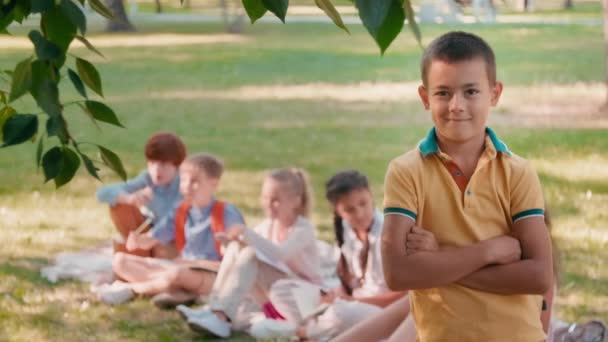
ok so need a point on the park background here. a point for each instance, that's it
(304, 93)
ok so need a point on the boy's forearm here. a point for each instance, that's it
(383, 299)
(522, 277)
(424, 269)
(433, 269)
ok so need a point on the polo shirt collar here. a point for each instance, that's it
(429, 145)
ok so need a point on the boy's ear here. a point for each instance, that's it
(424, 96)
(496, 92)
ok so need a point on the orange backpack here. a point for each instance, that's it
(217, 224)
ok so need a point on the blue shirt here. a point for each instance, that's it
(199, 237)
(166, 197)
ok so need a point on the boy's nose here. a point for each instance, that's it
(456, 103)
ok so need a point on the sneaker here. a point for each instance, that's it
(115, 293)
(169, 300)
(267, 329)
(210, 324)
(186, 312)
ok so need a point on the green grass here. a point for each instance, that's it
(253, 132)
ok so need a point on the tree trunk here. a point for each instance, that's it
(121, 22)
(159, 8)
(568, 4)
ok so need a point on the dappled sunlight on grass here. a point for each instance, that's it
(135, 40)
(361, 92)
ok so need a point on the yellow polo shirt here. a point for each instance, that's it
(428, 187)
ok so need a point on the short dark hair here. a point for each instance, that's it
(211, 165)
(165, 147)
(458, 46)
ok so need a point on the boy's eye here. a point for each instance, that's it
(472, 92)
(441, 93)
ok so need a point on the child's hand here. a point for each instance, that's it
(233, 234)
(132, 241)
(503, 250)
(420, 239)
(138, 198)
(329, 297)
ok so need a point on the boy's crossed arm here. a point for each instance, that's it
(426, 269)
(533, 274)
(503, 272)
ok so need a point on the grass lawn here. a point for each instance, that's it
(306, 95)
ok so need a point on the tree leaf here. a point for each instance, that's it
(112, 161)
(6, 20)
(39, 151)
(89, 75)
(46, 94)
(56, 126)
(38, 6)
(89, 165)
(411, 20)
(101, 112)
(75, 14)
(5, 113)
(77, 82)
(45, 50)
(383, 19)
(70, 165)
(22, 10)
(86, 111)
(89, 46)
(278, 7)
(331, 12)
(100, 8)
(19, 128)
(255, 9)
(44, 88)
(52, 162)
(58, 28)
(22, 79)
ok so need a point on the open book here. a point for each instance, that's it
(308, 300)
(279, 265)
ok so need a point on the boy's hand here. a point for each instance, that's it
(140, 241)
(503, 250)
(138, 198)
(420, 239)
(132, 241)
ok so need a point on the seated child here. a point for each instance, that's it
(194, 227)
(282, 246)
(156, 189)
(363, 293)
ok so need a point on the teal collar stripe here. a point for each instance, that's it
(429, 145)
(528, 213)
(499, 145)
(400, 211)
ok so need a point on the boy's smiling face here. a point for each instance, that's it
(459, 96)
(195, 185)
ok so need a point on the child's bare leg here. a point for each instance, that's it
(134, 268)
(406, 332)
(380, 326)
(194, 281)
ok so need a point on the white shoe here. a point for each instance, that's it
(266, 329)
(210, 324)
(187, 312)
(116, 293)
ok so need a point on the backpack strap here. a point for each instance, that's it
(217, 224)
(181, 216)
